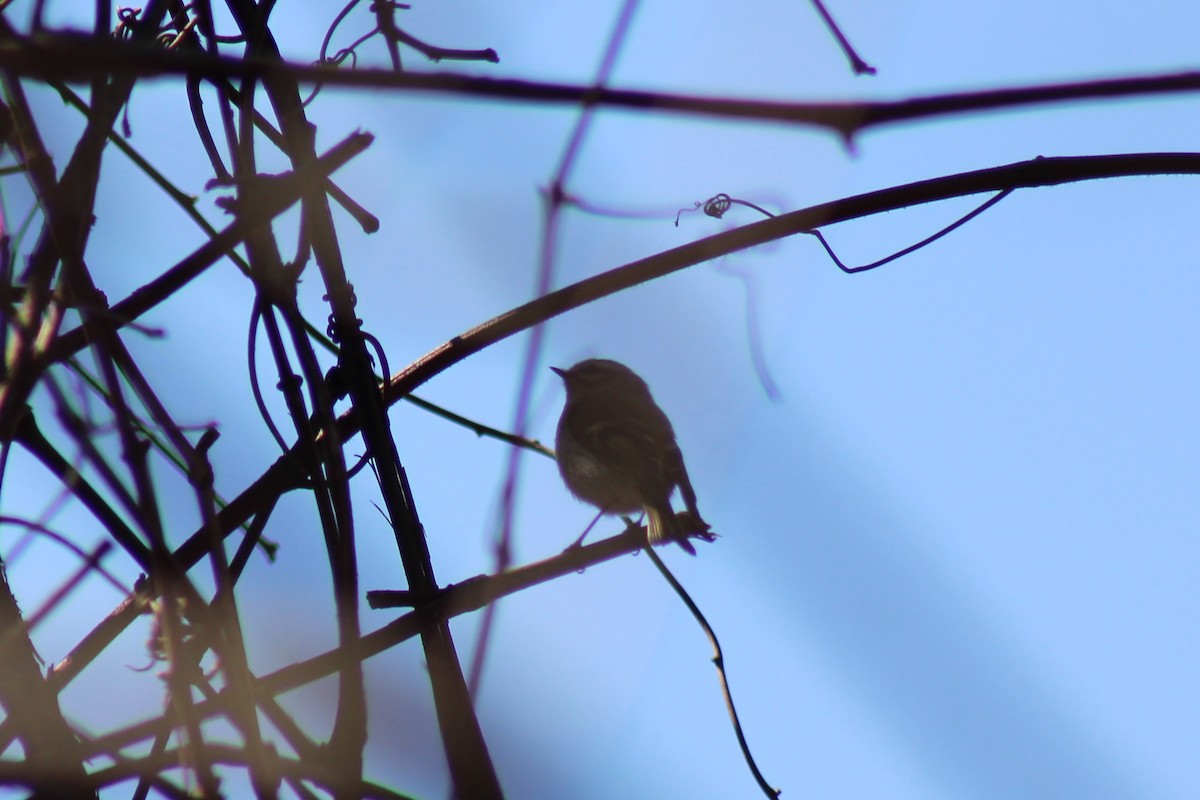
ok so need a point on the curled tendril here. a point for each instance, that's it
(683, 211)
(334, 331)
(332, 328)
(127, 19)
(718, 205)
(341, 55)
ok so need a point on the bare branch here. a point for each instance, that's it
(70, 58)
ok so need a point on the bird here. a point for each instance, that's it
(616, 450)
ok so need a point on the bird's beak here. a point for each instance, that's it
(562, 373)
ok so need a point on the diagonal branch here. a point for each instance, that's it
(452, 601)
(250, 217)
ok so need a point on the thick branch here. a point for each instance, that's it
(32, 707)
(74, 58)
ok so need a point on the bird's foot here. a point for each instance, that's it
(694, 527)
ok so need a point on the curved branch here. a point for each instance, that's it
(1024, 174)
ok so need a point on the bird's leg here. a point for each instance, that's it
(632, 526)
(579, 542)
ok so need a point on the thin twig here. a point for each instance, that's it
(719, 662)
(859, 66)
(479, 428)
(717, 206)
(963, 220)
(91, 563)
(436, 54)
(67, 543)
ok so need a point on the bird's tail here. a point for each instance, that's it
(663, 526)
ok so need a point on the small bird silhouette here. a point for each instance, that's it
(617, 451)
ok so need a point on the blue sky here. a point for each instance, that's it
(958, 554)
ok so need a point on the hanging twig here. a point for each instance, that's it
(719, 662)
(859, 66)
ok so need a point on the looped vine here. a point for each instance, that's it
(342, 295)
(717, 206)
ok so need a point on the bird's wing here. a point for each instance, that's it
(641, 447)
